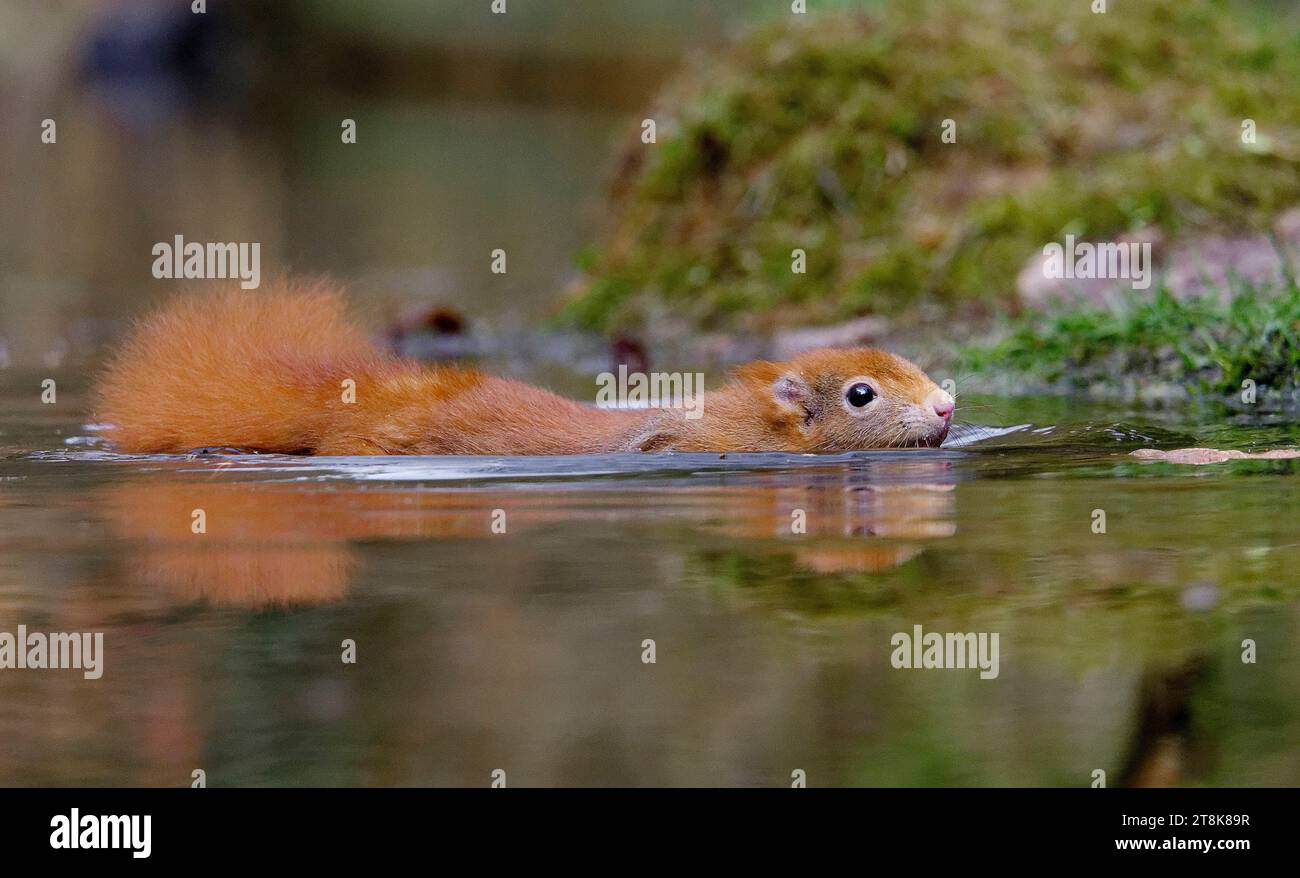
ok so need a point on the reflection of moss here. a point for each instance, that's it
(1238, 709)
(954, 581)
(775, 579)
(1079, 629)
(824, 134)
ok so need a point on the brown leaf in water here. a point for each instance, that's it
(1198, 456)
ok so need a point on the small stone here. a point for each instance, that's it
(1200, 597)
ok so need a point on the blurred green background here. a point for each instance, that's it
(519, 131)
(476, 131)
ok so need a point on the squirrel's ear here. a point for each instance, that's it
(792, 392)
(760, 371)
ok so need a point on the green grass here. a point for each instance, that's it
(1209, 345)
(823, 132)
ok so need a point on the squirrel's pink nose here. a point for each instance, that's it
(942, 403)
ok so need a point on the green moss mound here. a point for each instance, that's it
(824, 133)
(1208, 345)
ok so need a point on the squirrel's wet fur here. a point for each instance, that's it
(267, 370)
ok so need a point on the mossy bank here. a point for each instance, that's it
(1241, 346)
(825, 133)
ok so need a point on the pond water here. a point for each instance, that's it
(524, 650)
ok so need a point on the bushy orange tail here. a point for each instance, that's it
(250, 369)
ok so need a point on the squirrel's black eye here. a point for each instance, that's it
(859, 395)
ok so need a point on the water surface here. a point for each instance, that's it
(522, 650)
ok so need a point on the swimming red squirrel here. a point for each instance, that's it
(269, 371)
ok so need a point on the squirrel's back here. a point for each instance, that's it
(249, 369)
(282, 370)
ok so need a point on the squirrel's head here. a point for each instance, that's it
(844, 400)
